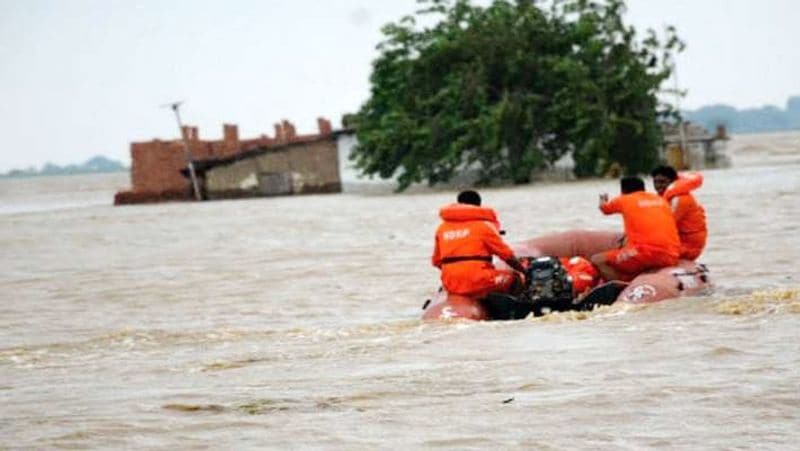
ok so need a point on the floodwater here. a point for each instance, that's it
(293, 323)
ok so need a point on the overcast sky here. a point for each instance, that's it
(85, 77)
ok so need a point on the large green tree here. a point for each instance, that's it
(509, 88)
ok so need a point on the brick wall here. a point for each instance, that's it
(156, 165)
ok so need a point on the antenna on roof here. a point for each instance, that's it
(175, 106)
(681, 127)
(172, 105)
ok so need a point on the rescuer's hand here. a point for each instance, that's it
(515, 264)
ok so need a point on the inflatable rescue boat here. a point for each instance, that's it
(549, 288)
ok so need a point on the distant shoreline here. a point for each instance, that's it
(788, 131)
(767, 119)
(12, 175)
(108, 166)
(95, 165)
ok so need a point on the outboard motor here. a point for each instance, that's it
(549, 286)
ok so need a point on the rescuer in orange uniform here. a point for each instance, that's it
(466, 240)
(582, 272)
(651, 235)
(690, 217)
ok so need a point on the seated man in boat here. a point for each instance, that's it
(690, 217)
(651, 235)
(466, 240)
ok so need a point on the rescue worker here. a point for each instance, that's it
(651, 235)
(690, 217)
(583, 274)
(465, 242)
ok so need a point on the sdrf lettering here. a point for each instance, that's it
(455, 234)
(650, 203)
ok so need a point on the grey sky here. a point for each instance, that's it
(86, 77)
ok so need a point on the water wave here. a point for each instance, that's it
(773, 302)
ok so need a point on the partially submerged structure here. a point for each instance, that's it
(286, 163)
(690, 146)
(302, 167)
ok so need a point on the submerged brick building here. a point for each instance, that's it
(286, 163)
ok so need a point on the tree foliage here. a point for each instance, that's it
(509, 88)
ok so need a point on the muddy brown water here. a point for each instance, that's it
(293, 323)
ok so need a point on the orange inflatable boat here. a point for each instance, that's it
(550, 288)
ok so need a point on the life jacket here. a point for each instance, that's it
(466, 240)
(468, 233)
(684, 184)
(690, 217)
(467, 212)
(583, 273)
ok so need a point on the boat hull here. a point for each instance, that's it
(687, 278)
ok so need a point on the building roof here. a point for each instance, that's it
(693, 133)
(201, 166)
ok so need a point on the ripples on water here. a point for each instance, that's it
(292, 322)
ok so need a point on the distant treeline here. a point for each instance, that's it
(93, 165)
(751, 120)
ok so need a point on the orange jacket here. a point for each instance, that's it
(584, 274)
(648, 221)
(690, 217)
(465, 242)
(468, 231)
(686, 183)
